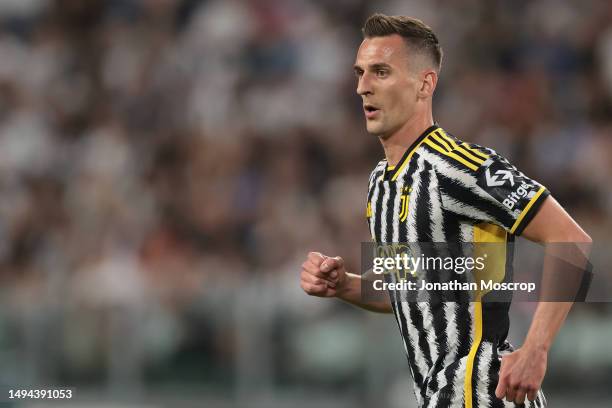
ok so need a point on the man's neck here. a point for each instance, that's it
(395, 146)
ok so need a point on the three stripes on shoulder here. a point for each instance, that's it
(460, 152)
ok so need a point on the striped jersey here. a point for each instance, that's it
(447, 191)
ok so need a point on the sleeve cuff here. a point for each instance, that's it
(530, 211)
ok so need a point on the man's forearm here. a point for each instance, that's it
(547, 321)
(351, 293)
(567, 247)
(559, 282)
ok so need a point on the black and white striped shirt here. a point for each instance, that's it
(448, 191)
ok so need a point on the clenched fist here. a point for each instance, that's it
(521, 375)
(322, 275)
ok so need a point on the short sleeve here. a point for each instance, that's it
(495, 192)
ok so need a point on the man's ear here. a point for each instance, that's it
(429, 80)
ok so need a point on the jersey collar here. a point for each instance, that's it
(391, 172)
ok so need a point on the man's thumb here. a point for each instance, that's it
(332, 263)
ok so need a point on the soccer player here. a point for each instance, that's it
(433, 187)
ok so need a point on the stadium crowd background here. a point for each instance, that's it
(166, 165)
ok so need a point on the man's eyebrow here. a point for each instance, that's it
(379, 65)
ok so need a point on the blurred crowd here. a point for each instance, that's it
(153, 152)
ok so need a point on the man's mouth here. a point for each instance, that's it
(370, 110)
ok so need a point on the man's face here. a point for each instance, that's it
(387, 83)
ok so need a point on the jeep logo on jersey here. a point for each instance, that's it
(498, 178)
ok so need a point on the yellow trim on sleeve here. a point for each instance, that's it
(526, 210)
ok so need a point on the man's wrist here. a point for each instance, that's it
(537, 346)
(344, 287)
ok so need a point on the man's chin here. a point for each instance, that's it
(376, 130)
(373, 127)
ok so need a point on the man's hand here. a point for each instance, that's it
(322, 275)
(521, 374)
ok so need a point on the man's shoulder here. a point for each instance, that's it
(380, 166)
(378, 170)
(442, 150)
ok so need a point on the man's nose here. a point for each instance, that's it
(364, 86)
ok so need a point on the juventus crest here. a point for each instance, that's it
(404, 200)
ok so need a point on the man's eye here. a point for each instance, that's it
(381, 73)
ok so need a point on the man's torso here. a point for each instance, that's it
(446, 191)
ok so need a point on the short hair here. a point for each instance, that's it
(417, 35)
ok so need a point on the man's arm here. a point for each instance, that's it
(522, 371)
(324, 276)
